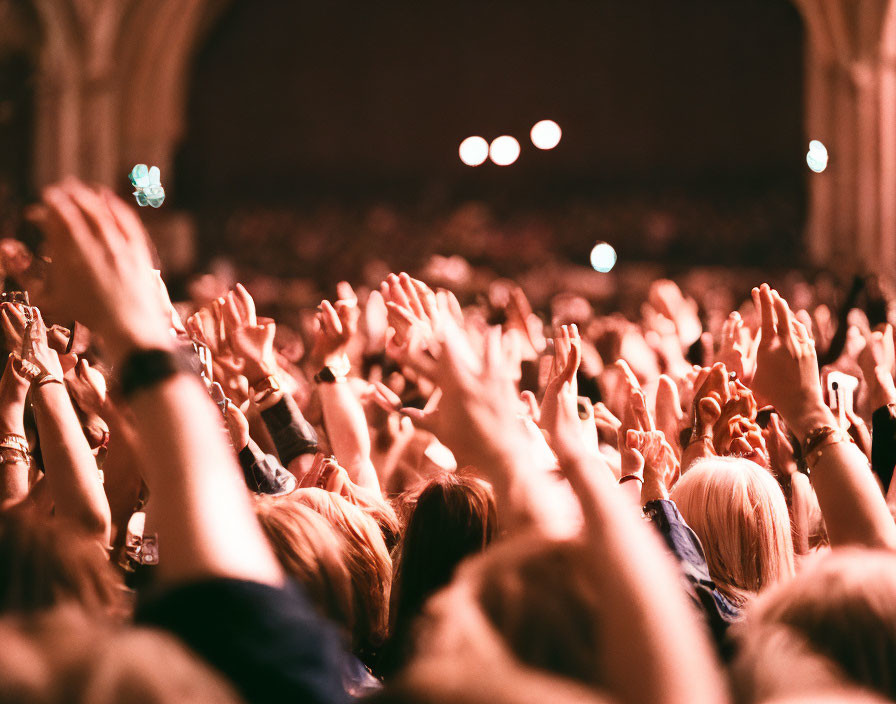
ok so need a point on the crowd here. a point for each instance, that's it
(414, 494)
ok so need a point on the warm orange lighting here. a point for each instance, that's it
(473, 151)
(546, 134)
(504, 150)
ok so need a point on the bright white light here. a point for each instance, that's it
(473, 151)
(603, 257)
(818, 148)
(545, 134)
(817, 156)
(504, 150)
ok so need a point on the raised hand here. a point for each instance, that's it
(337, 324)
(661, 466)
(87, 387)
(786, 365)
(559, 416)
(736, 350)
(410, 304)
(250, 338)
(669, 415)
(107, 281)
(878, 363)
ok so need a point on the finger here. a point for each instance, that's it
(231, 313)
(329, 319)
(639, 411)
(129, 224)
(627, 373)
(427, 298)
(345, 293)
(573, 359)
(767, 313)
(528, 398)
(413, 297)
(783, 314)
(494, 352)
(397, 293)
(66, 223)
(245, 303)
(95, 212)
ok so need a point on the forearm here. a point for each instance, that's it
(800, 502)
(13, 469)
(851, 502)
(348, 433)
(69, 464)
(206, 524)
(666, 658)
(294, 437)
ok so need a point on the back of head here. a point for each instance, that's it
(453, 516)
(312, 553)
(739, 513)
(540, 595)
(367, 559)
(46, 563)
(63, 655)
(843, 606)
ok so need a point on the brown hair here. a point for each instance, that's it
(49, 562)
(453, 516)
(540, 595)
(311, 551)
(64, 655)
(843, 606)
(367, 560)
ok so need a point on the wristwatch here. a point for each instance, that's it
(328, 376)
(264, 388)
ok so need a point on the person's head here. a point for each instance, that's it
(453, 516)
(368, 560)
(739, 513)
(47, 563)
(540, 596)
(313, 553)
(64, 655)
(842, 607)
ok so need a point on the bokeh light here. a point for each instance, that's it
(504, 150)
(473, 151)
(603, 257)
(817, 156)
(546, 134)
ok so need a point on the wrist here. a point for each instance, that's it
(257, 371)
(809, 419)
(121, 348)
(881, 388)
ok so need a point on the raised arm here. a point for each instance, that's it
(343, 414)
(69, 464)
(787, 377)
(660, 652)
(103, 277)
(14, 459)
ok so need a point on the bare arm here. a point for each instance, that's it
(13, 464)
(102, 275)
(853, 506)
(348, 433)
(68, 462)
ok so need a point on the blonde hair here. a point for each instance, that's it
(842, 605)
(739, 513)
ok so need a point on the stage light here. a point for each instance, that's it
(504, 150)
(473, 151)
(546, 134)
(817, 156)
(603, 257)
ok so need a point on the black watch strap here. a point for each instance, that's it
(146, 368)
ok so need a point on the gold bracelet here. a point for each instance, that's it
(14, 441)
(820, 439)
